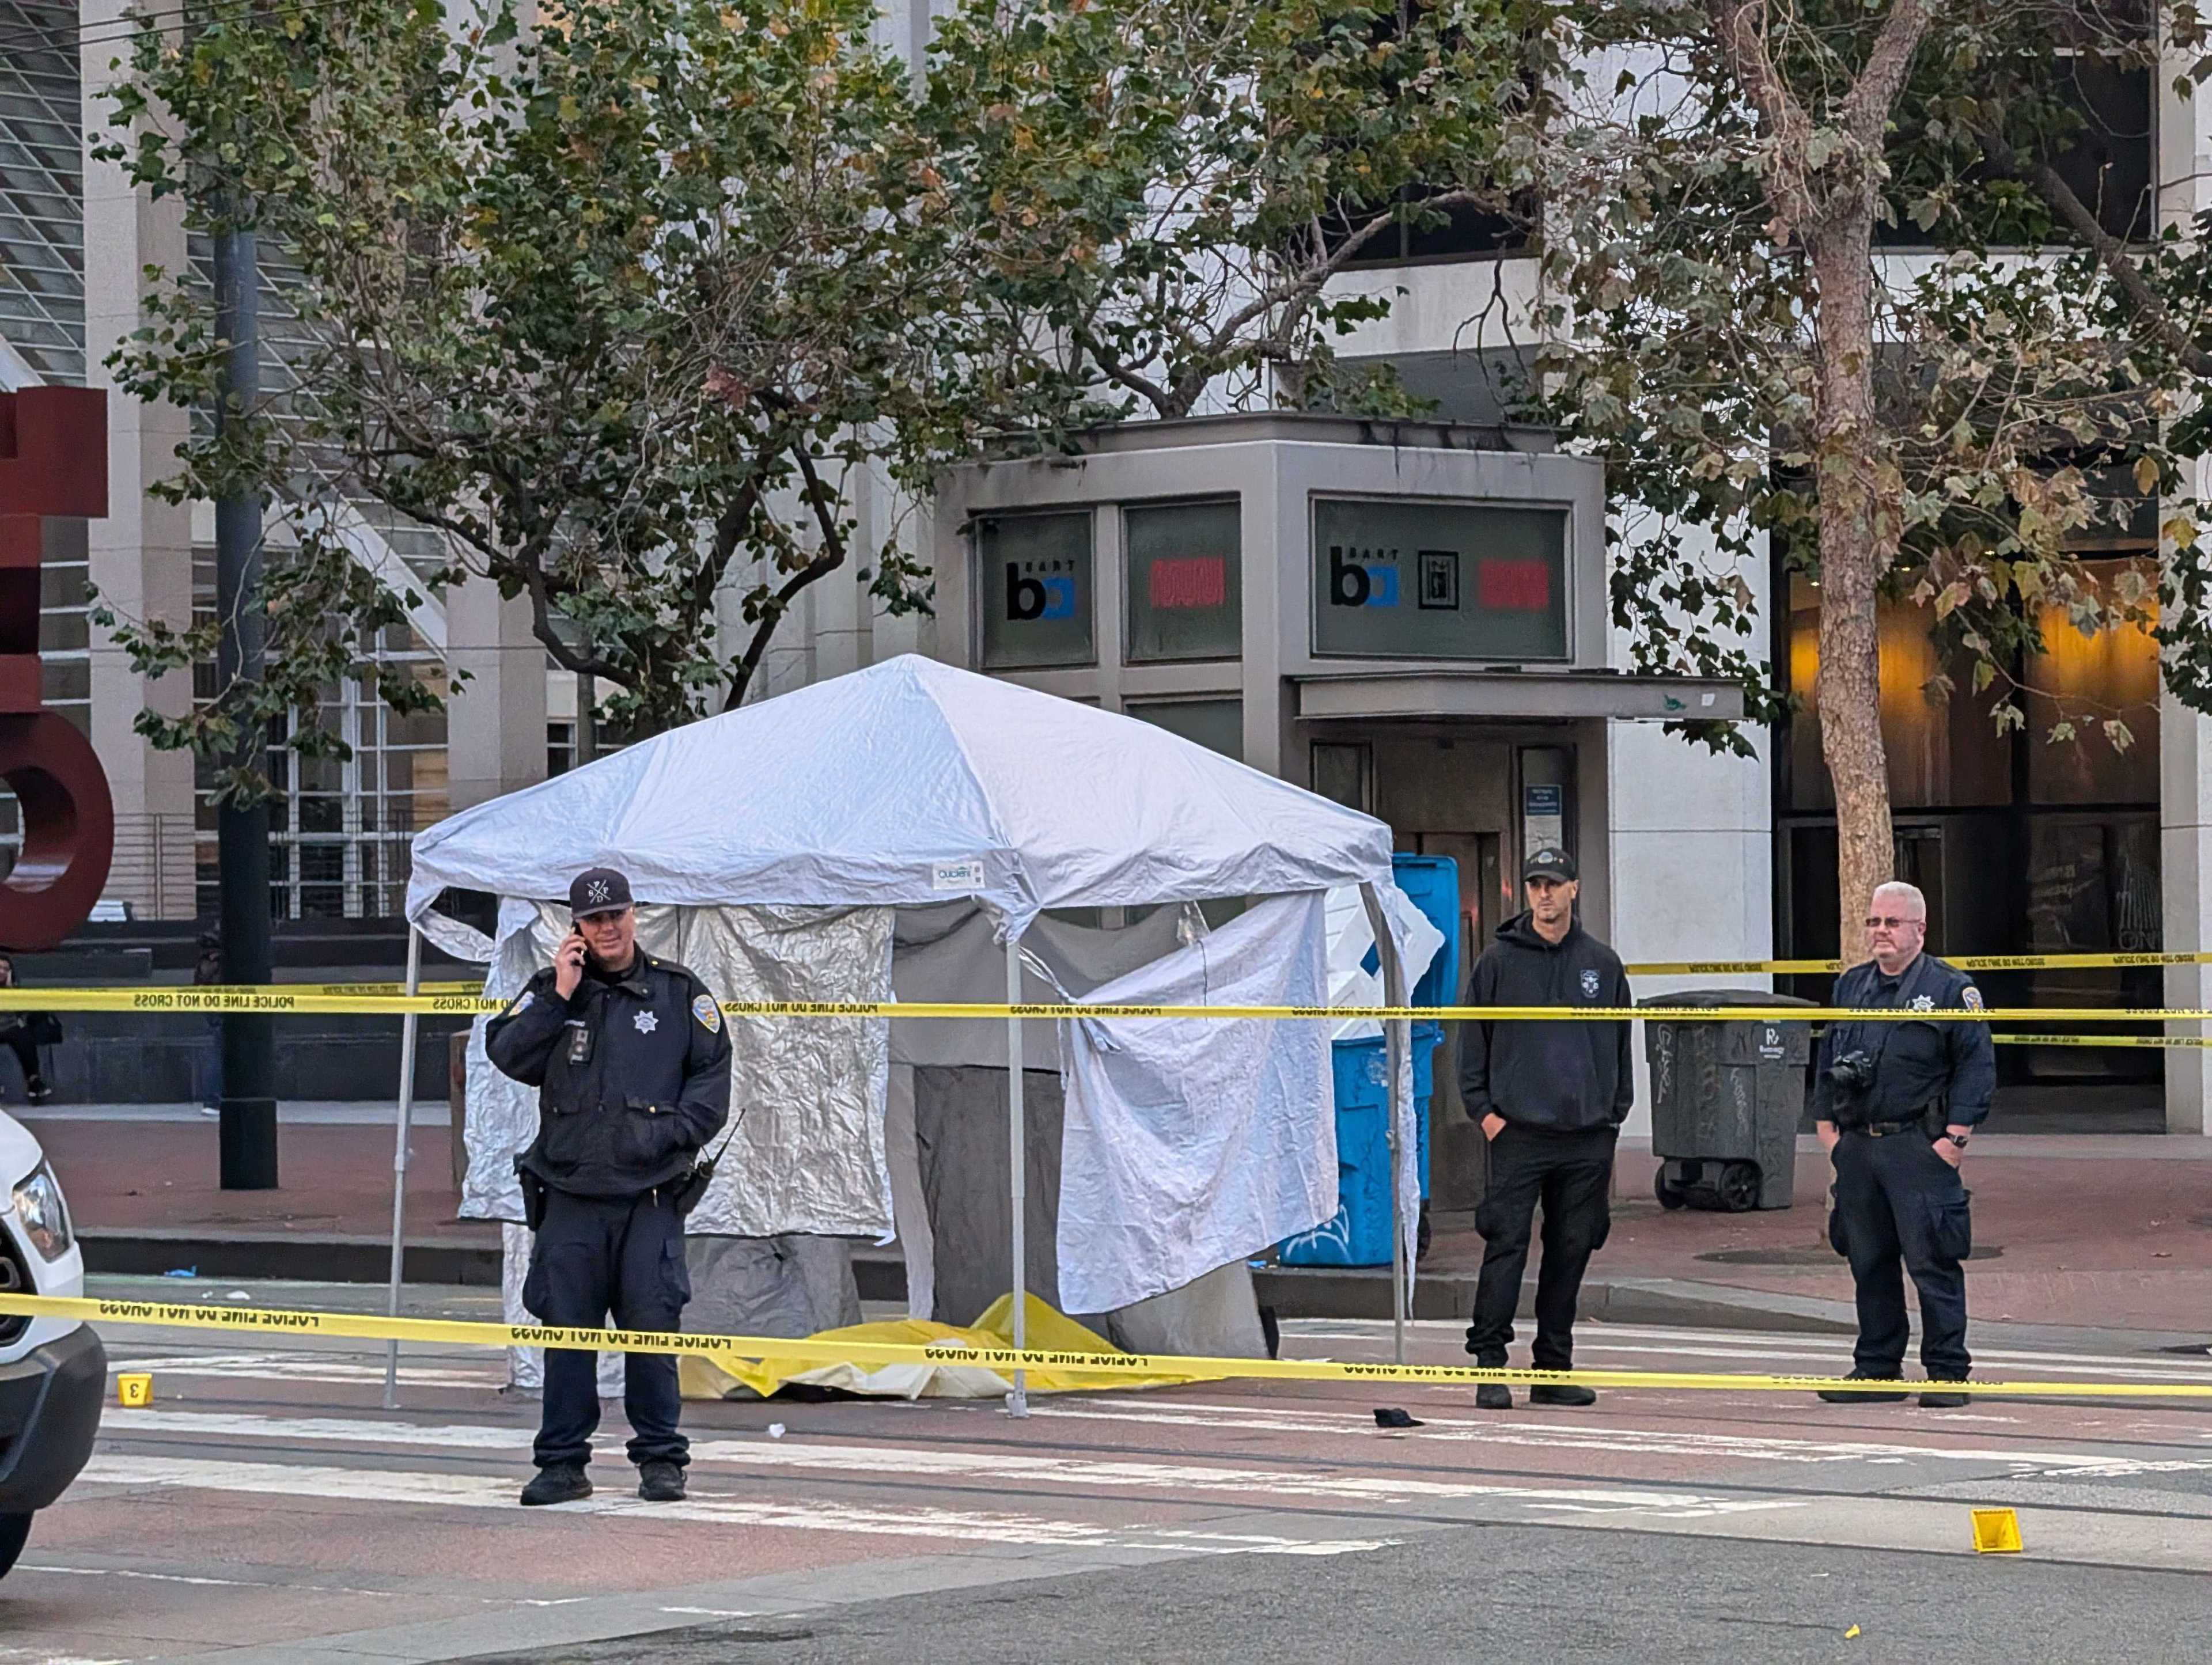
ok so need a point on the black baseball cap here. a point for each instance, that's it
(1548, 863)
(597, 890)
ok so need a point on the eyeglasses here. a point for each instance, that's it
(1889, 922)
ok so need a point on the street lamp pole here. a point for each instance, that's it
(248, 1129)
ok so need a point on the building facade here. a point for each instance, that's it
(2022, 848)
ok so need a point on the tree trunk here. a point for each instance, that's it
(1860, 523)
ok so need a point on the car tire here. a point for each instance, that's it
(14, 1530)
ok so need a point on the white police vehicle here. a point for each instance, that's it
(53, 1372)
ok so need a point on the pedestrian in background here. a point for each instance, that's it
(23, 1033)
(1550, 1096)
(632, 1068)
(1894, 1101)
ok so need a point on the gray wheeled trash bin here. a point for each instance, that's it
(1726, 1098)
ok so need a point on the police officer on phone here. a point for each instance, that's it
(1895, 1101)
(632, 1066)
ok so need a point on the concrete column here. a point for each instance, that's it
(140, 555)
(2185, 863)
(1691, 856)
(2185, 140)
(495, 721)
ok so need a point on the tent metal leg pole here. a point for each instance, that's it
(407, 1028)
(1017, 1401)
(1397, 1055)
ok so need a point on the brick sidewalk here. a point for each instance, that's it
(337, 1180)
(2111, 1233)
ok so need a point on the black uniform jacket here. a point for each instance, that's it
(1916, 1062)
(632, 1073)
(1561, 1077)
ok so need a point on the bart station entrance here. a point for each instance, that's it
(1407, 618)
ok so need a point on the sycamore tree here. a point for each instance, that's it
(616, 306)
(1156, 194)
(1951, 426)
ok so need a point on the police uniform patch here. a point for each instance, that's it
(1589, 985)
(1971, 997)
(646, 1022)
(708, 1014)
(1923, 1003)
(522, 1005)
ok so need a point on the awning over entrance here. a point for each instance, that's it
(1523, 694)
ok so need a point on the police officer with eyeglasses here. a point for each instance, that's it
(632, 1066)
(1895, 1101)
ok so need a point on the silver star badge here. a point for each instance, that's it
(646, 1022)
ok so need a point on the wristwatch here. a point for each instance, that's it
(1959, 1139)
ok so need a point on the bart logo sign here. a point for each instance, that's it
(1040, 589)
(1362, 578)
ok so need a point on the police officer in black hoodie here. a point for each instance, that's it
(1550, 1096)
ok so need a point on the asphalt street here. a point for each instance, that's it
(267, 1509)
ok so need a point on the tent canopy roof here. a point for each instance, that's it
(907, 783)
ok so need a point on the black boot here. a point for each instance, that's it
(1935, 1399)
(1849, 1396)
(1493, 1396)
(660, 1481)
(37, 1091)
(564, 1483)
(1561, 1392)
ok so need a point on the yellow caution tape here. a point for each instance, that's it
(474, 1333)
(2197, 1041)
(281, 998)
(1962, 962)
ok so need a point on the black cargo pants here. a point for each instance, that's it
(596, 1256)
(1899, 1208)
(1571, 1176)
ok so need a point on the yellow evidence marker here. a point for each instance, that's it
(1996, 1531)
(134, 1391)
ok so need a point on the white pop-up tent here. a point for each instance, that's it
(785, 838)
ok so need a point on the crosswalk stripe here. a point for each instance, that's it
(1608, 1437)
(330, 1483)
(1286, 1486)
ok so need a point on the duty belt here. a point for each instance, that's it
(1884, 1129)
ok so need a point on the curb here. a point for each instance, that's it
(1293, 1292)
(1364, 1292)
(321, 1260)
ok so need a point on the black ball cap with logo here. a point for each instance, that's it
(1555, 864)
(597, 890)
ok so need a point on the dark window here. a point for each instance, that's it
(2109, 163)
(2103, 145)
(1466, 233)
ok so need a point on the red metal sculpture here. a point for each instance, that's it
(53, 461)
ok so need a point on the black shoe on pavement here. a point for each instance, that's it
(1493, 1396)
(37, 1091)
(661, 1482)
(1935, 1399)
(1562, 1392)
(1847, 1396)
(564, 1484)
